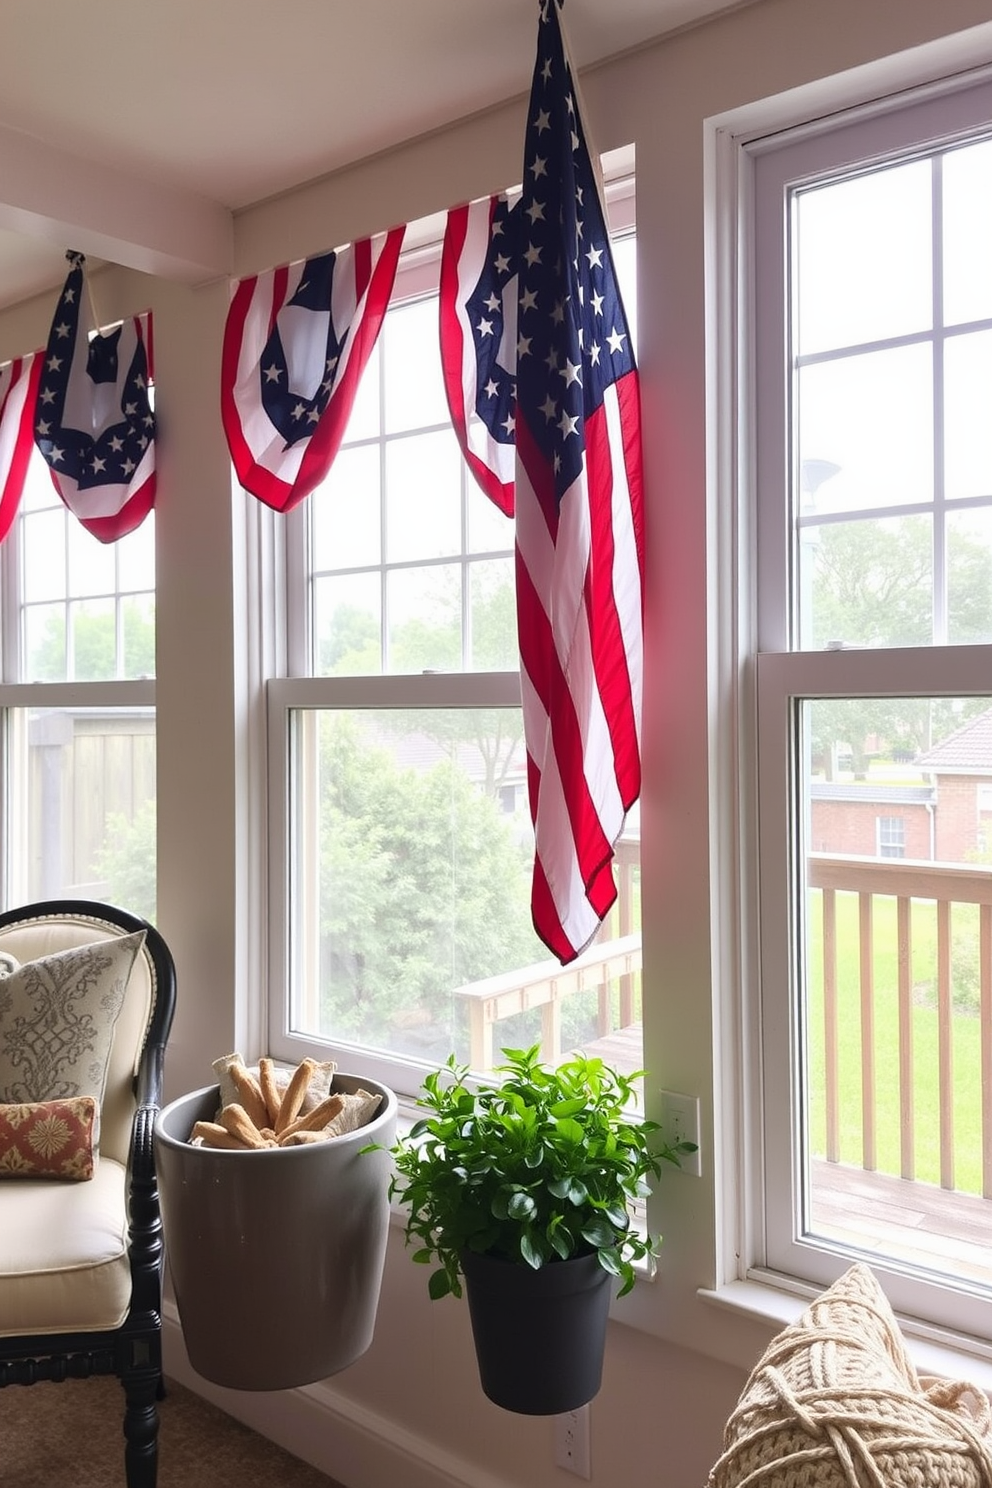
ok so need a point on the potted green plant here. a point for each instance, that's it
(522, 1188)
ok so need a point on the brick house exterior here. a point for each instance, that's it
(873, 821)
(949, 820)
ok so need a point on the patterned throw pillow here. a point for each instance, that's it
(57, 1017)
(48, 1139)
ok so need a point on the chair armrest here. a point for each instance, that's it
(147, 1251)
(148, 1094)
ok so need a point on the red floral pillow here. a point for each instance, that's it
(48, 1139)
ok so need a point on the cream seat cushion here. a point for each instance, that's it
(835, 1402)
(63, 1255)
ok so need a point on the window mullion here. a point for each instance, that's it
(940, 598)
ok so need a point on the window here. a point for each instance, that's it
(870, 521)
(401, 886)
(77, 706)
(891, 836)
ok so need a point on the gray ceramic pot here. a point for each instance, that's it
(276, 1256)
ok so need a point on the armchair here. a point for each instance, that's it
(86, 990)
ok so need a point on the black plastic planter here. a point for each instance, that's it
(539, 1335)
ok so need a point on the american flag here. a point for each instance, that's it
(18, 392)
(478, 326)
(579, 517)
(94, 424)
(296, 342)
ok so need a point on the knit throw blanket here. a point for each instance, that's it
(835, 1402)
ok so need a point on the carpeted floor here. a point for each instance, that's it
(70, 1436)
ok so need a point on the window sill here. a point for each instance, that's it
(933, 1351)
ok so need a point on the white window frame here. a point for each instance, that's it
(289, 687)
(753, 941)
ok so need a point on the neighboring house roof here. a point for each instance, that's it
(968, 751)
(867, 791)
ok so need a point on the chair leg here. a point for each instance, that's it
(141, 1430)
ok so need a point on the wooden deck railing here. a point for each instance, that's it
(545, 985)
(610, 967)
(915, 886)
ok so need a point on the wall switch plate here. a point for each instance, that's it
(572, 1442)
(680, 1123)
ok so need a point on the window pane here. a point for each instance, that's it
(488, 527)
(493, 616)
(82, 804)
(138, 621)
(364, 422)
(624, 251)
(967, 426)
(968, 233)
(92, 641)
(348, 626)
(39, 488)
(411, 861)
(864, 245)
(969, 568)
(135, 556)
(897, 948)
(92, 566)
(867, 583)
(346, 525)
(425, 619)
(44, 637)
(43, 564)
(423, 497)
(414, 386)
(872, 417)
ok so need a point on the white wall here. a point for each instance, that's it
(411, 1411)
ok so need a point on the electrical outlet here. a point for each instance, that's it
(680, 1123)
(572, 1442)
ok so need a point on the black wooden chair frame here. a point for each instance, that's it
(133, 1351)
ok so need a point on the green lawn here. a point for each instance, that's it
(966, 1040)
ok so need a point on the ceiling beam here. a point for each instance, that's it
(73, 203)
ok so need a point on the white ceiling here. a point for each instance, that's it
(233, 101)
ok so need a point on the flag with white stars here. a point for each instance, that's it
(478, 332)
(93, 419)
(18, 394)
(296, 342)
(579, 516)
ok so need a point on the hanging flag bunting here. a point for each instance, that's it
(296, 342)
(478, 331)
(579, 516)
(94, 424)
(18, 393)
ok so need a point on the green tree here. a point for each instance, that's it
(496, 734)
(873, 586)
(127, 861)
(434, 643)
(94, 645)
(351, 645)
(422, 889)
